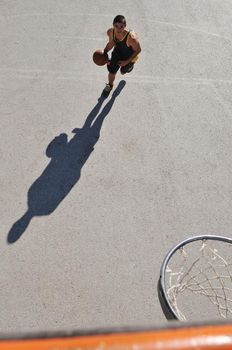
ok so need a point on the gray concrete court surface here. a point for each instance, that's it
(82, 242)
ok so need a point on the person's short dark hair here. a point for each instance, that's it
(120, 19)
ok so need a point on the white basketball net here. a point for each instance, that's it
(208, 275)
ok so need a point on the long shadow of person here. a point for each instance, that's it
(64, 169)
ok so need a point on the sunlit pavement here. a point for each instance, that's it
(86, 222)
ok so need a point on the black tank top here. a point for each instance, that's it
(121, 47)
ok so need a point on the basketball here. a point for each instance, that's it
(100, 58)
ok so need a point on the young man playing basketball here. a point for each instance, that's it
(125, 53)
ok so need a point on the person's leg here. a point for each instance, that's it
(113, 67)
(111, 78)
(128, 68)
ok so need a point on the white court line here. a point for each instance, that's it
(185, 27)
(75, 37)
(66, 37)
(75, 75)
(71, 14)
(177, 80)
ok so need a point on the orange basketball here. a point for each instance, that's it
(100, 58)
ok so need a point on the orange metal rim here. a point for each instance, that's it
(200, 338)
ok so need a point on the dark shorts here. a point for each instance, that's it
(113, 67)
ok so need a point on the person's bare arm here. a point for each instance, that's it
(110, 43)
(133, 42)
